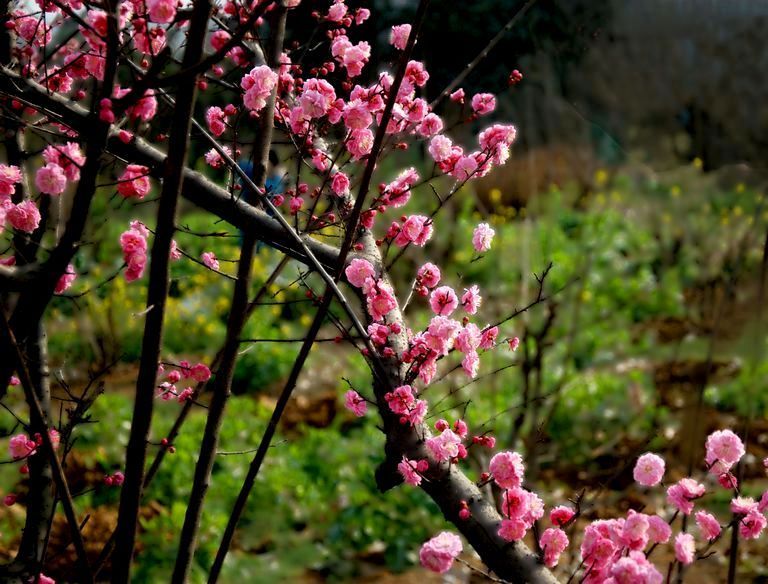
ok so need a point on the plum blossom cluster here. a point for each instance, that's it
(22, 446)
(168, 389)
(442, 335)
(617, 550)
(133, 243)
(62, 166)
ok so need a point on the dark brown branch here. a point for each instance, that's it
(238, 314)
(157, 295)
(37, 416)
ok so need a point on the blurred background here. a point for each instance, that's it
(637, 184)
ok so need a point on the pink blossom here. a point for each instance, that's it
(441, 333)
(352, 57)
(633, 569)
(200, 373)
(439, 552)
(465, 168)
(727, 480)
(649, 469)
(708, 525)
(379, 333)
(430, 125)
(496, 141)
(762, 506)
(416, 229)
(401, 399)
(162, 11)
(361, 15)
(752, 525)
(743, 505)
(295, 204)
(659, 530)
(216, 120)
(724, 449)
(683, 493)
(134, 182)
(561, 515)
(68, 157)
(358, 271)
(483, 103)
(515, 503)
(468, 339)
(337, 12)
(356, 115)
(317, 98)
(136, 264)
(185, 395)
(512, 530)
(25, 216)
(209, 259)
(443, 301)
(458, 95)
(355, 403)
(416, 73)
(216, 160)
(440, 148)
(470, 364)
(258, 85)
(507, 469)
(340, 184)
(50, 179)
(488, 337)
(482, 237)
(444, 446)
(66, 279)
(145, 108)
(685, 548)
(10, 500)
(134, 245)
(9, 177)
(416, 414)
(634, 532)
(399, 36)
(380, 301)
(408, 469)
(55, 438)
(20, 446)
(133, 241)
(514, 343)
(428, 275)
(175, 253)
(360, 143)
(471, 299)
(596, 546)
(553, 541)
(397, 193)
